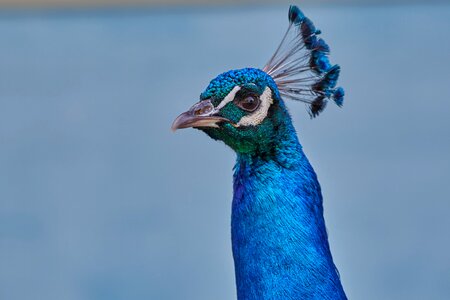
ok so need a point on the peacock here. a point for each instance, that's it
(279, 240)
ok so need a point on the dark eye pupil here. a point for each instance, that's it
(249, 103)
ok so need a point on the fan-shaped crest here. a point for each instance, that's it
(300, 65)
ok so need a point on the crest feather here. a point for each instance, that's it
(300, 66)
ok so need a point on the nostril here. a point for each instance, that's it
(202, 108)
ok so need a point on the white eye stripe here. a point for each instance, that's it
(228, 98)
(260, 114)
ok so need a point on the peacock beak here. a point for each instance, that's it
(202, 114)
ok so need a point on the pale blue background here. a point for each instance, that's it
(99, 200)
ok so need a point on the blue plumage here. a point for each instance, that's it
(321, 46)
(280, 243)
(319, 62)
(328, 81)
(295, 15)
(220, 86)
(338, 96)
(307, 28)
(279, 239)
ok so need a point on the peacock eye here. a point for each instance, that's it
(248, 103)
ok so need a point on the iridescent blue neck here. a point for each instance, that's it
(280, 244)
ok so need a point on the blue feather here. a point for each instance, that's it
(338, 96)
(317, 106)
(332, 76)
(308, 31)
(295, 15)
(319, 62)
(328, 81)
(321, 46)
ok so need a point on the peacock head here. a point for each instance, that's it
(245, 109)
(238, 107)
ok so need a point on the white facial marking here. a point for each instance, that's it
(260, 114)
(228, 98)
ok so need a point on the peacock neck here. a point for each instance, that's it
(280, 244)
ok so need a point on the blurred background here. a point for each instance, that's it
(100, 200)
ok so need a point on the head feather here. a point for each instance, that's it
(300, 66)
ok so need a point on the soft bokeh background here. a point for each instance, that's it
(99, 200)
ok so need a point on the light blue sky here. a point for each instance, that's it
(100, 200)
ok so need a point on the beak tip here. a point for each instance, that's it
(178, 122)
